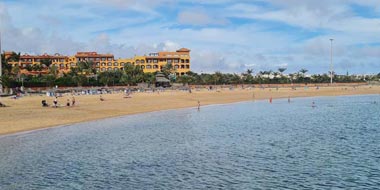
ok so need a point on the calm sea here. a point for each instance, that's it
(250, 145)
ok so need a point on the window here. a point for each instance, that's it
(73, 64)
(142, 67)
(109, 68)
(91, 59)
(97, 69)
(115, 69)
(176, 60)
(182, 61)
(62, 65)
(155, 66)
(97, 64)
(122, 64)
(155, 60)
(137, 61)
(61, 60)
(142, 61)
(187, 66)
(115, 64)
(103, 64)
(109, 64)
(97, 59)
(169, 61)
(128, 63)
(149, 66)
(176, 66)
(149, 61)
(103, 58)
(109, 59)
(187, 61)
(103, 69)
(182, 66)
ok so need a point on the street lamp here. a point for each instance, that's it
(331, 62)
(1, 66)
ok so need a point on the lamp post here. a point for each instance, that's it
(1, 66)
(331, 62)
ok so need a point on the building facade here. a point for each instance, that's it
(152, 62)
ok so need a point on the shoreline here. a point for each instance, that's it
(19, 119)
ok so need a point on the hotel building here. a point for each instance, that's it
(152, 62)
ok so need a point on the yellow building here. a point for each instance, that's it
(152, 62)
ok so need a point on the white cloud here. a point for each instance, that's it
(199, 17)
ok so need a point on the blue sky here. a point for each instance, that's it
(224, 35)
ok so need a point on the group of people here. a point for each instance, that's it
(70, 102)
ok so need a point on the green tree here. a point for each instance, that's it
(281, 70)
(235, 79)
(168, 69)
(132, 74)
(247, 76)
(5, 80)
(185, 79)
(45, 62)
(37, 67)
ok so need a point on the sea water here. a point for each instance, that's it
(249, 145)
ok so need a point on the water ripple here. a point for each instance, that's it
(238, 146)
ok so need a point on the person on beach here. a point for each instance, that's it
(199, 105)
(72, 101)
(101, 98)
(288, 99)
(270, 100)
(68, 102)
(44, 104)
(2, 105)
(55, 102)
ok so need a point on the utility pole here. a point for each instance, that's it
(331, 62)
(1, 67)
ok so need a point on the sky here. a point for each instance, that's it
(223, 35)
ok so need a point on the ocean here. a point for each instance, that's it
(249, 145)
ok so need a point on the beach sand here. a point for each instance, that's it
(26, 113)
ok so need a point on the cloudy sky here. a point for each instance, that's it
(224, 35)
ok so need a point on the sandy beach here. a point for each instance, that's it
(26, 113)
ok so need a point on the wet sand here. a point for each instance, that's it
(26, 113)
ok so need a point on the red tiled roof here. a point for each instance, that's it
(183, 50)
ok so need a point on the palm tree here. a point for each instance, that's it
(132, 74)
(249, 71)
(303, 71)
(302, 76)
(168, 70)
(14, 57)
(16, 71)
(53, 70)
(248, 78)
(281, 70)
(46, 62)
